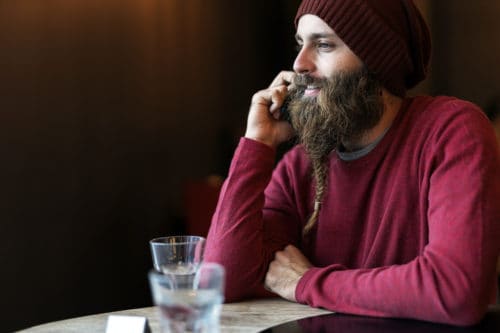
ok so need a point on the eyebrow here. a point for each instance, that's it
(316, 36)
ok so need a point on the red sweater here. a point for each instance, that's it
(410, 230)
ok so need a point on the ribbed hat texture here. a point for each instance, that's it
(389, 36)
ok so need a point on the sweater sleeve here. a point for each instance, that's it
(243, 235)
(453, 280)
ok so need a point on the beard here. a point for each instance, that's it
(347, 106)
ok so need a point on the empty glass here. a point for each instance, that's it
(181, 255)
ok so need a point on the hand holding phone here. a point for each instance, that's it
(265, 118)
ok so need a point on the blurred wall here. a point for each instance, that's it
(107, 108)
(466, 49)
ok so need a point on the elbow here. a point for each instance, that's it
(465, 318)
(467, 309)
(457, 298)
(241, 281)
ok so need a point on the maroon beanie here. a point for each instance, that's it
(389, 36)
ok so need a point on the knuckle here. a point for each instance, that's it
(259, 97)
(278, 255)
(255, 98)
(268, 280)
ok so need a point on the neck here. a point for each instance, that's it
(391, 105)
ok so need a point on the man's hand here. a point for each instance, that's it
(263, 119)
(285, 272)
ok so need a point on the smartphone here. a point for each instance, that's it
(284, 114)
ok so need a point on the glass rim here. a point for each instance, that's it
(184, 239)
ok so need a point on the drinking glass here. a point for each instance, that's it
(180, 255)
(194, 306)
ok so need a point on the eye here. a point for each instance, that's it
(325, 46)
(298, 47)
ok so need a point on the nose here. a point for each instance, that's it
(303, 63)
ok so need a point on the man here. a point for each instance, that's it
(389, 205)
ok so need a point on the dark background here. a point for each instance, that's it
(108, 108)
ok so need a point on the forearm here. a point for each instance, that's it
(423, 289)
(236, 237)
(451, 281)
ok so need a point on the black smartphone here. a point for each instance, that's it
(284, 114)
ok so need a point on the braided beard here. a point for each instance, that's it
(347, 106)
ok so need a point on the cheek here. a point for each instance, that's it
(339, 61)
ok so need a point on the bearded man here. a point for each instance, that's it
(389, 205)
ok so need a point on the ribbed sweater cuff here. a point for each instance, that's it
(303, 285)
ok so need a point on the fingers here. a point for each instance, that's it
(288, 252)
(283, 78)
(277, 97)
(271, 97)
(275, 94)
(293, 258)
(289, 256)
(281, 257)
(292, 251)
(264, 123)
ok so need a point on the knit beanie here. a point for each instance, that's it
(389, 36)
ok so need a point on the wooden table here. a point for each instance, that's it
(258, 315)
(249, 316)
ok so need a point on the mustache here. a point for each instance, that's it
(301, 81)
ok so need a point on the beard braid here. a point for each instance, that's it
(347, 106)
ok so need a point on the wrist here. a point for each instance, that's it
(268, 142)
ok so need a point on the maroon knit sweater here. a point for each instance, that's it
(410, 230)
